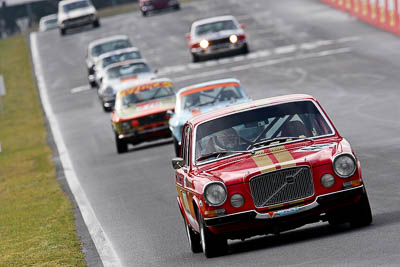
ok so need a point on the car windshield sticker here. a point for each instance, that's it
(144, 87)
(317, 147)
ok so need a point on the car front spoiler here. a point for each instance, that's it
(321, 201)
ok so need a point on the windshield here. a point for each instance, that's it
(210, 95)
(224, 25)
(144, 93)
(51, 22)
(239, 132)
(75, 5)
(121, 57)
(128, 70)
(110, 46)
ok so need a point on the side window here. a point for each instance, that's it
(186, 146)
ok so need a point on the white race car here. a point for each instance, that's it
(48, 23)
(116, 75)
(101, 46)
(109, 58)
(216, 36)
(76, 13)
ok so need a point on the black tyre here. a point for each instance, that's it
(63, 31)
(245, 49)
(144, 13)
(212, 245)
(361, 213)
(96, 24)
(177, 7)
(195, 58)
(122, 147)
(193, 238)
(177, 147)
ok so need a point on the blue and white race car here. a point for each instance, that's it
(200, 98)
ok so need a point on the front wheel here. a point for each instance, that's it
(361, 213)
(245, 49)
(63, 31)
(212, 245)
(195, 58)
(193, 238)
(96, 24)
(177, 7)
(122, 146)
(144, 13)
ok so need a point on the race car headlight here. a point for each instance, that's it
(204, 44)
(125, 126)
(327, 180)
(237, 200)
(233, 39)
(344, 165)
(215, 193)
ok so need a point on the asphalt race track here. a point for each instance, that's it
(298, 46)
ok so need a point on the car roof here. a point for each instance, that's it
(119, 51)
(205, 84)
(135, 83)
(248, 106)
(131, 61)
(107, 40)
(65, 2)
(213, 19)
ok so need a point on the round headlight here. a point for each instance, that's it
(215, 194)
(125, 126)
(109, 91)
(237, 200)
(233, 39)
(204, 44)
(344, 165)
(327, 180)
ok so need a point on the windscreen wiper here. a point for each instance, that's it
(276, 139)
(219, 153)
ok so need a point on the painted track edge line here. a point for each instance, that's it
(103, 245)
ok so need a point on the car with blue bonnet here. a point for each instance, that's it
(201, 98)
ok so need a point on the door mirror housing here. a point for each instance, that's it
(178, 163)
(187, 36)
(170, 112)
(243, 26)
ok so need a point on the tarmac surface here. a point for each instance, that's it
(296, 47)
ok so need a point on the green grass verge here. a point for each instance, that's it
(36, 217)
(125, 8)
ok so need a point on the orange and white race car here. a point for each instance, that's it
(141, 112)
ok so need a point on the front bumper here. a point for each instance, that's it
(306, 213)
(146, 135)
(224, 48)
(78, 22)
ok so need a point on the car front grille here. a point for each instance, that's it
(219, 41)
(281, 186)
(83, 18)
(154, 118)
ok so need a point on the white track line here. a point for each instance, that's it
(79, 89)
(104, 247)
(263, 64)
(258, 54)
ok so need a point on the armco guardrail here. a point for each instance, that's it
(381, 13)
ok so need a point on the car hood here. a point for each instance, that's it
(218, 35)
(178, 120)
(79, 13)
(241, 168)
(147, 108)
(114, 83)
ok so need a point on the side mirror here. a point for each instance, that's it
(156, 71)
(170, 112)
(187, 36)
(177, 163)
(243, 26)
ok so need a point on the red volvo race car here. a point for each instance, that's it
(264, 167)
(142, 113)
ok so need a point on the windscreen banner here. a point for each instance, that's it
(381, 13)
